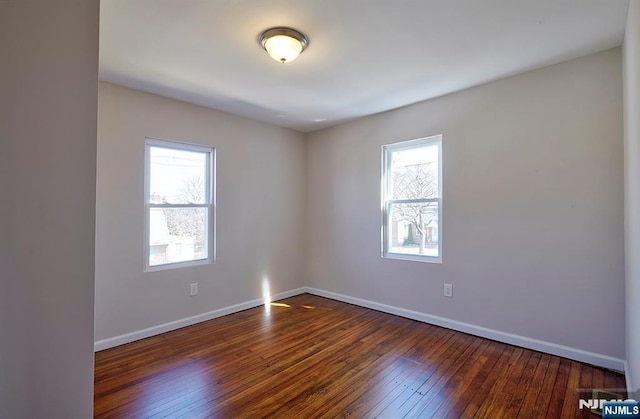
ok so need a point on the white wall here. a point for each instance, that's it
(631, 60)
(48, 80)
(260, 195)
(532, 212)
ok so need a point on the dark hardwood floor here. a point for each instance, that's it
(312, 357)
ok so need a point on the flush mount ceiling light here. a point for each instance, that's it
(283, 44)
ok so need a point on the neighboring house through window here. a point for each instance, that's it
(412, 200)
(179, 204)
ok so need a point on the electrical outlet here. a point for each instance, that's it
(448, 290)
(194, 289)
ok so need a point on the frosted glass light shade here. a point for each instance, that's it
(283, 48)
(283, 44)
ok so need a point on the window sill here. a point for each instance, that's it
(414, 258)
(177, 265)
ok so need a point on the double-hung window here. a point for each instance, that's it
(179, 204)
(412, 200)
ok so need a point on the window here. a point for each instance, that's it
(412, 200)
(179, 204)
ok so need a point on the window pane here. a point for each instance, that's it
(414, 173)
(177, 235)
(177, 176)
(413, 229)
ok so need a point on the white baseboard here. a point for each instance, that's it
(167, 327)
(525, 342)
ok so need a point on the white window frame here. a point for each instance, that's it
(210, 202)
(387, 202)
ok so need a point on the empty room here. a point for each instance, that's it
(296, 209)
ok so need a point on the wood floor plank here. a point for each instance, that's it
(494, 403)
(451, 378)
(298, 349)
(390, 367)
(283, 369)
(518, 391)
(313, 357)
(444, 362)
(541, 404)
(557, 398)
(616, 383)
(535, 385)
(570, 402)
(479, 383)
(312, 380)
(467, 399)
(358, 399)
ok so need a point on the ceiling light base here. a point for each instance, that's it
(283, 44)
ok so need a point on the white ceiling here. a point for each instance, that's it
(364, 56)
